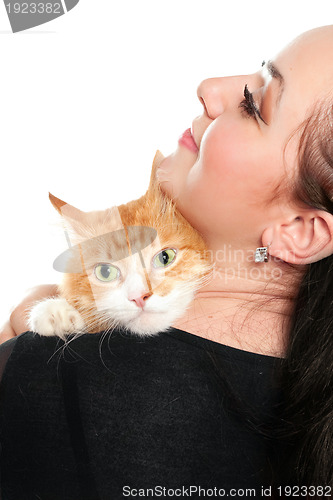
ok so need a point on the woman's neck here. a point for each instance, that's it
(245, 305)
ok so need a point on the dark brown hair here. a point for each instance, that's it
(308, 368)
(314, 185)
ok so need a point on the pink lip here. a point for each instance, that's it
(188, 142)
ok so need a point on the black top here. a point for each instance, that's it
(105, 414)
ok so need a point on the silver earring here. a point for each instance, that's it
(261, 254)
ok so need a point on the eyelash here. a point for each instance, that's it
(249, 106)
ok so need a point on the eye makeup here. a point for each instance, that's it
(249, 106)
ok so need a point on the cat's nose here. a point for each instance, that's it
(140, 301)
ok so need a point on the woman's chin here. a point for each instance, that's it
(173, 170)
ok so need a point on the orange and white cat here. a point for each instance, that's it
(135, 266)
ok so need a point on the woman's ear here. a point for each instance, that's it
(301, 239)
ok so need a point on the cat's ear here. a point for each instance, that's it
(66, 210)
(56, 202)
(74, 221)
(158, 158)
(84, 225)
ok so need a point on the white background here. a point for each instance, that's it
(86, 99)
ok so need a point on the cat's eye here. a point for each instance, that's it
(164, 258)
(106, 272)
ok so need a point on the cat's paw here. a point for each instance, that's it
(55, 317)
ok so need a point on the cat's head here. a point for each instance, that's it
(136, 266)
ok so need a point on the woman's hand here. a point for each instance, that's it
(18, 321)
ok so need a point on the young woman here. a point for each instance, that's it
(245, 380)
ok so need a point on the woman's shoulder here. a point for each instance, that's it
(30, 355)
(26, 343)
(26, 349)
(6, 350)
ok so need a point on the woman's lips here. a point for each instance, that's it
(188, 142)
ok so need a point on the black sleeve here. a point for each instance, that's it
(5, 351)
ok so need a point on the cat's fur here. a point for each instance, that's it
(143, 299)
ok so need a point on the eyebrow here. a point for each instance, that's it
(275, 73)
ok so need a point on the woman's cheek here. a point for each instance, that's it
(226, 154)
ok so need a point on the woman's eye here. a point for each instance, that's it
(249, 106)
(106, 272)
(164, 258)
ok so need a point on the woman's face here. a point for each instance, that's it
(225, 186)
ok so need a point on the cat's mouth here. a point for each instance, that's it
(148, 322)
(146, 310)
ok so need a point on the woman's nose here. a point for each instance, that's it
(218, 94)
(210, 95)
